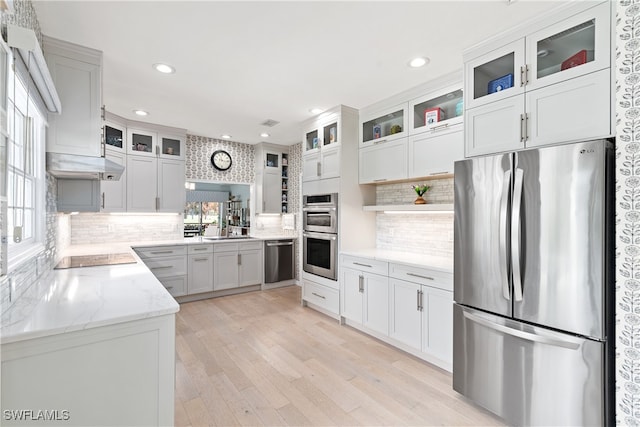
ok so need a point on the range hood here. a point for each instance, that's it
(83, 167)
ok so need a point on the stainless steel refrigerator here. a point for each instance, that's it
(533, 284)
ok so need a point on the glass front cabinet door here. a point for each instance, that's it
(384, 125)
(115, 137)
(171, 146)
(141, 142)
(574, 47)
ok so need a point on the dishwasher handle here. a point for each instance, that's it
(276, 243)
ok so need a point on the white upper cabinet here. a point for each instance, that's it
(437, 112)
(142, 142)
(551, 84)
(77, 74)
(383, 125)
(115, 136)
(433, 155)
(383, 162)
(171, 146)
(325, 131)
(574, 47)
(496, 75)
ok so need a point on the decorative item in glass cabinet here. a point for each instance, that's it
(377, 131)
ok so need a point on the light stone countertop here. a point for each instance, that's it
(81, 298)
(414, 260)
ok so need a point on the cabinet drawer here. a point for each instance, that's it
(200, 249)
(167, 266)
(365, 264)
(423, 276)
(177, 286)
(225, 247)
(321, 296)
(246, 246)
(161, 251)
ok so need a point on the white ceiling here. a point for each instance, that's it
(239, 62)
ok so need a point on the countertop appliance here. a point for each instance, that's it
(534, 285)
(320, 235)
(278, 260)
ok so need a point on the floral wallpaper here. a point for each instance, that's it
(198, 160)
(627, 68)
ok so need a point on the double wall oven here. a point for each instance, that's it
(320, 234)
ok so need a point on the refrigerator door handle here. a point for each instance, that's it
(515, 234)
(529, 336)
(504, 204)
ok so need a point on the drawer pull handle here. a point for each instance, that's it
(380, 180)
(318, 295)
(380, 141)
(442, 126)
(439, 173)
(422, 277)
(169, 287)
(363, 265)
(200, 259)
(200, 249)
(161, 252)
(161, 267)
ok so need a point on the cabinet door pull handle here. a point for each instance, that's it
(379, 141)
(526, 125)
(361, 283)
(157, 203)
(363, 265)
(522, 124)
(380, 180)
(420, 276)
(102, 112)
(318, 295)
(161, 252)
(318, 171)
(418, 300)
(103, 200)
(439, 127)
(522, 76)
(421, 300)
(239, 259)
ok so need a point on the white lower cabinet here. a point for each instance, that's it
(364, 299)
(237, 265)
(169, 265)
(200, 269)
(81, 375)
(412, 306)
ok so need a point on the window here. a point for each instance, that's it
(200, 215)
(25, 174)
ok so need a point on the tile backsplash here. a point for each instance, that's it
(420, 233)
(109, 228)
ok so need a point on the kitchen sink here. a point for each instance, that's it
(227, 237)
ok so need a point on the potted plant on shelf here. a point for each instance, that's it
(420, 190)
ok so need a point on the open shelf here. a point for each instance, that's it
(429, 207)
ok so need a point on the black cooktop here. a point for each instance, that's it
(95, 260)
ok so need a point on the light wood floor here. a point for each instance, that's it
(262, 359)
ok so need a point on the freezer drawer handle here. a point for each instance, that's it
(504, 201)
(421, 277)
(521, 334)
(515, 235)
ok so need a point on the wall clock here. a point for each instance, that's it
(221, 160)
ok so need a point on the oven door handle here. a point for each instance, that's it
(321, 236)
(318, 208)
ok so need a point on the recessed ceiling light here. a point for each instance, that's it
(141, 112)
(164, 68)
(265, 135)
(316, 110)
(225, 136)
(418, 62)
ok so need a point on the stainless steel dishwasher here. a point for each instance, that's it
(279, 260)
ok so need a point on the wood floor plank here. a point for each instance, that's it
(261, 358)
